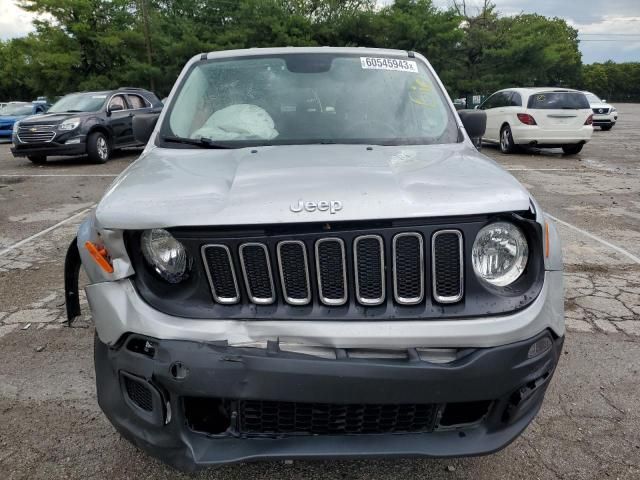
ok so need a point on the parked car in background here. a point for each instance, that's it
(605, 115)
(311, 259)
(91, 123)
(538, 117)
(460, 103)
(13, 112)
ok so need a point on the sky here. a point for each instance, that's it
(608, 29)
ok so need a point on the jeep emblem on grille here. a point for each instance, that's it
(332, 206)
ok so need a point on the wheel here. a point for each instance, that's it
(98, 147)
(507, 144)
(39, 159)
(572, 149)
(606, 127)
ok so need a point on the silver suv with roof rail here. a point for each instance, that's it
(311, 259)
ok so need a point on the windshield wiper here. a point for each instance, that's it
(202, 142)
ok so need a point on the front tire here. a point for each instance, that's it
(507, 145)
(98, 148)
(572, 149)
(37, 159)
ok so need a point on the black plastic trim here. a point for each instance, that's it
(513, 383)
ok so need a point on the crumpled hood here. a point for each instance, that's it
(191, 187)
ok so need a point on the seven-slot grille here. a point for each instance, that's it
(325, 269)
(36, 133)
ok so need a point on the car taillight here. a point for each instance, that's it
(526, 119)
(589, 120)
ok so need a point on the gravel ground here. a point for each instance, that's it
(51, 426)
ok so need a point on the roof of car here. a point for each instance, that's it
(533, 90)
(108, 92)
(282, 50)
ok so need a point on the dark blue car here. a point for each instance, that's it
(14, 111)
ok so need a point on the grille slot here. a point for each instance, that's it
(271, 417)
(368, 261)
(221, 274)
(332, 271)
(447, 261)
(256, 268)
(408, 268)
(36, 134)
(294, 272)
(139, 394)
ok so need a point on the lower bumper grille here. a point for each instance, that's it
(333, 419)
(279, 418)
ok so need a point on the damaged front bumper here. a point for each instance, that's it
(194, 404)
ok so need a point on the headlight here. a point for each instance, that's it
(614, 110)
(70, 124)
(500, 253)
(166, 255)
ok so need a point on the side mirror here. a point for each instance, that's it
(115, 108)
(143, 125)
(474, 122)
(477, 107)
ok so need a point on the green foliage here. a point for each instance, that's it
(613, 81)
(95, 44)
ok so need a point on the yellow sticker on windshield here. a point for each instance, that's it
(421, 93)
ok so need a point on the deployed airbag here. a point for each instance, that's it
(238, 122)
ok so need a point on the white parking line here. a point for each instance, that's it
(597, 239)
(46, 230)
(60, 175)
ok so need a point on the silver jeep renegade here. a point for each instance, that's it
(311, 259)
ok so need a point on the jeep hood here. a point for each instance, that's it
(191, 187)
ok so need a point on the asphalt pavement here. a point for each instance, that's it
(589, 427)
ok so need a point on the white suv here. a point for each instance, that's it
(605, 116)
(538, 117)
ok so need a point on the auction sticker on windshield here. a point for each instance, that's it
(379, 63)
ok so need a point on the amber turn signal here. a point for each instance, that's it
(100, 256)
(546, 240)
